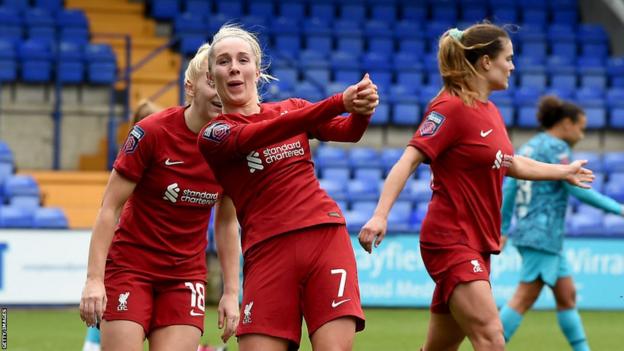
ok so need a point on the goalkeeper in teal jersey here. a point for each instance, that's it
(540, 209)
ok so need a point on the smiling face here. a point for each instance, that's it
(234, 70)
(203, 95)
(498, 69)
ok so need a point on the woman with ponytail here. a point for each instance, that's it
(540, 209)
(463, 138)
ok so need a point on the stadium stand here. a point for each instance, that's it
(316, 49)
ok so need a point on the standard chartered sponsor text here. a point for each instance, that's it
(283, 151)
(198, 197)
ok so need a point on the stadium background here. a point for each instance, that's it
(72, 71)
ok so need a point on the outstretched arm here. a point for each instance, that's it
(352, 127)
(596, 199)
(375, 229)
(222, 140)
(529, 169)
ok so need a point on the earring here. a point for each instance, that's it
(211, 83)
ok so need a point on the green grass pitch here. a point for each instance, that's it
(386, 329)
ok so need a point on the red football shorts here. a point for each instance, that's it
(309, 272)
(452, 265)
(153, 303)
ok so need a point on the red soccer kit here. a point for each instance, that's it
(161, 237)
(264, 164)
(298, 256)
(469, 151)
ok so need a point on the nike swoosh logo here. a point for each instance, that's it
(336, 304)
(195, 314)
(171, 163)
(484, 134)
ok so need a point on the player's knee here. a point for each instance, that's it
(488, 331)
(566, 300)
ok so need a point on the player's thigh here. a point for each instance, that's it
(179, 302)
(331, 290)
(271, 304)
(175, 338)
(121, 335)
(473, 307)
(260, 342)
(337, 334)
(444, 333)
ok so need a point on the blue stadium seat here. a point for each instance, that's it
(384, 12)
(616, 119)
(36, 58)
(74, 18)
(594, 160)
(390, 156)
(408, 30)
(615, 71)
(505, 14)
(365, 207)
(352, 44)
(327, 156)
(20, 5)
(355, 220)
(262, 8)
(308, 91)
(382, 115)
(344, 60)
(288, 44)
(325, 11)
(406, 114)
(335, 88)
(10, 24)
(380, 45)
(312, 59)
(164, 10)
(320, 43)
(318, 76)
(369, 174)
(28, 203)
(358, 190)
(584, 224)
(364, 157)
(614, 161)
(507, 111)
(404, 93)
(596, 115)
(344, 28)
(230, 8)
(414, 46)
(527, 117)
(420, 190)
(335, 189)
(101, 64)
(340, 174)
(534, 16)
(377, 29)
(561, 64)
(52, 6)
(419, 215)
(399, 218)
(198, 6)
(21, 185)
(292, 9)
(563, 80)
(353, 12)
(614, 225)
(50, 218)
(12, 217)
(416, 12)
(8, 63)
(444, 11)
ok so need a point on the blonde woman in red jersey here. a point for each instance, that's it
(298, 256)
(463, 138)
(146, 272)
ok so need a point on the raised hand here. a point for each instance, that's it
(361, 98)
(578, 175)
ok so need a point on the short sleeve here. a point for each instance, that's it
(136, 153)
(438, 129)
(217, 142)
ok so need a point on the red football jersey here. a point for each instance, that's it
(470, 153)
(264, 164)
(162, 228)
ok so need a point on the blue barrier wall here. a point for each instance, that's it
(394, 275)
